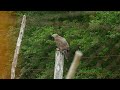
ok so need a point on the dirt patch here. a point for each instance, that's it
(7, 42)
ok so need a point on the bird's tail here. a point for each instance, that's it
(66, 54)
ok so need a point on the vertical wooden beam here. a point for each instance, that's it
(14, 63)
(74, 65)
(59, 64)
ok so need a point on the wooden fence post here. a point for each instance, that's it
(74, 65)
(59, 63)
(14, 63)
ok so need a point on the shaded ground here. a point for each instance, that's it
(7, 42)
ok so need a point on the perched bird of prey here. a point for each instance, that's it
(62, 44)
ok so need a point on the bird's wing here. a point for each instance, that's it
(61, 43)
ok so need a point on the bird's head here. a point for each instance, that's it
(55, 35)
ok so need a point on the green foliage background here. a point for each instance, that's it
(95, 33)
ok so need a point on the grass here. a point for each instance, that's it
(94, 33)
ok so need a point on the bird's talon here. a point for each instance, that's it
(57, 49)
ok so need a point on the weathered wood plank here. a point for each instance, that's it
(59, 64)
(14, 63)
(74, 65)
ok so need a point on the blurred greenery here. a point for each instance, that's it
(95, 33)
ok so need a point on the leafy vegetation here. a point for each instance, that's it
(95, 33)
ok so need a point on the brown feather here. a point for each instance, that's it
(62, 44)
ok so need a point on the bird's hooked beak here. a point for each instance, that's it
(54, 35)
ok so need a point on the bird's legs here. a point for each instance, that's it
(63, 52)
(59, 50)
